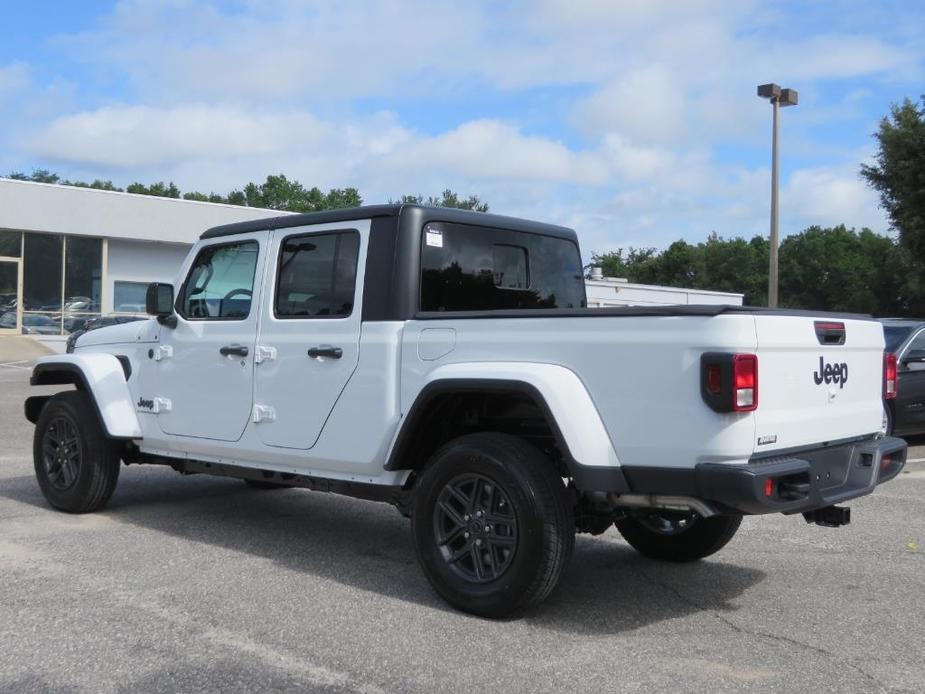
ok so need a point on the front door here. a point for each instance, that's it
(203, 385)
(10, 295)
(310, 331)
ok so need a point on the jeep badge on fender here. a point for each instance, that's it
(831, 373)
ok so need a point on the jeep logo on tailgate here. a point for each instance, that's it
(831, 373)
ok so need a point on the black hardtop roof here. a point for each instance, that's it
(422, 213)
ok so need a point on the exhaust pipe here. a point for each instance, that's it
(671, 503)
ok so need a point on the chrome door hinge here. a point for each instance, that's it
(263, 353)
(263, 413)
(163, 352)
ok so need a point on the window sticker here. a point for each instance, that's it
(434, 237)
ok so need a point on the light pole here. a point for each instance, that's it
(778, 97)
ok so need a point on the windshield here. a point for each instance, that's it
(895, 335)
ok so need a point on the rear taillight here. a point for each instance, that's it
(729, 382)
(745, 367)
(889, 376)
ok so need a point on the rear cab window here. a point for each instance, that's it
(474, 268)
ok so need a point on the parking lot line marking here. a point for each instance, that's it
(15, 365)
(916, 460)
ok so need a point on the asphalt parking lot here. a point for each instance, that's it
(202, 584)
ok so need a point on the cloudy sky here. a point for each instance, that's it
(634, 122)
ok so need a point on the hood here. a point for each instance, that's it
(132, 333)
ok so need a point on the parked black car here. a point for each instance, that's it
(906, 338)
(101, 322)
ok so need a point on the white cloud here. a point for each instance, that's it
(13, 78)
(828, 196)
(649, 92)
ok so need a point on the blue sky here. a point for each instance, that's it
(635, 122)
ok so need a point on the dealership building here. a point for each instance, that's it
(69, 254)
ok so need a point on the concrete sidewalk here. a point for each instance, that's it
(19, 348)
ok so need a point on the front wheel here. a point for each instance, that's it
(492, 525)
(678, 536)
(76, 466)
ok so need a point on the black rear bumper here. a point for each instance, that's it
(800, 481)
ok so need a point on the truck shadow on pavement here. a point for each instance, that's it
(607, 589)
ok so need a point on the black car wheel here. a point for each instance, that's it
(492, 524)
(678, 536)
(76, 466)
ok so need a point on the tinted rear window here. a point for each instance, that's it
(895, 335)
(471, 268)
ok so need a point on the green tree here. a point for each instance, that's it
(159, 189)
(448, 198)
(899, 173)
(280, 193)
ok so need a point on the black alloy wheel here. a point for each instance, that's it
(476, 527)
(76, 463)
(493, 524)
(61, 454)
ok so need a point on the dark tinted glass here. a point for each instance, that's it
(83, 274)
(918, 343)
(10, 243)
(42, 272)
(895, 335)
(221, 282)
(317, 275)
(470, 268)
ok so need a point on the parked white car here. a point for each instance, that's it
(444, 361)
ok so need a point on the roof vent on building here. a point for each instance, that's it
(597, 273)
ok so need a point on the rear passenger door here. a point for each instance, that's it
(309, 339)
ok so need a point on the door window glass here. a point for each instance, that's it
(317, 275)
(220, 284)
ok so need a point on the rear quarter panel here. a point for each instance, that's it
(642, 373)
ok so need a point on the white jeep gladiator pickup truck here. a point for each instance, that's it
(445, 361)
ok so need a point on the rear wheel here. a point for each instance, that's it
(492, 524)
(678, 536)
(260, 484)
(76, 466)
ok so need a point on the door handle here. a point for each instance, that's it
(233, 351)
(326, 351)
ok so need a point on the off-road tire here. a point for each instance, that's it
(260, 484)
(90, 480)
(703, 537)
(526, 484)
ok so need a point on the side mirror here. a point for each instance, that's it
(159, 302)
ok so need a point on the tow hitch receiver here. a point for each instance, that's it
(829, 517)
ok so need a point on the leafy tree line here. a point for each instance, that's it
(275, 193)
(822, 269)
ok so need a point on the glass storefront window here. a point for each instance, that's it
(129, 297)
(83, 281)
(62, 281)
(42, 258)
(10, 243)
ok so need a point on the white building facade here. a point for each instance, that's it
(69, 254)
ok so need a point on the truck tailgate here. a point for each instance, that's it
(817, 382)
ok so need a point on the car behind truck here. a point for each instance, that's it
(444, 361)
